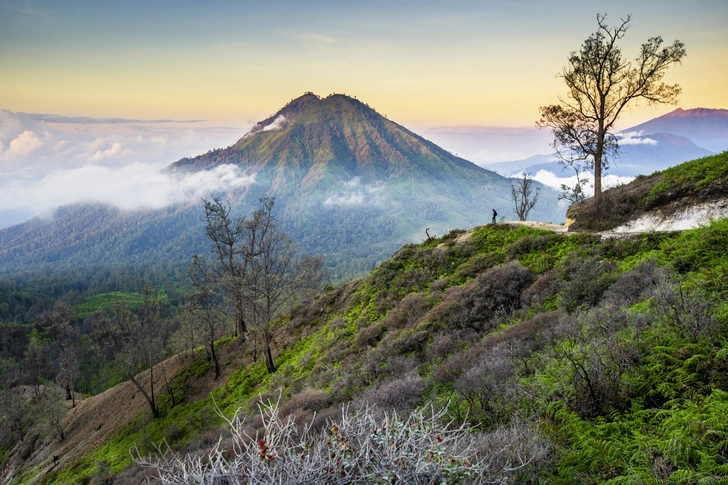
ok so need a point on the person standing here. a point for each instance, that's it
(495, 214)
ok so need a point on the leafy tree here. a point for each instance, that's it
(600, 85)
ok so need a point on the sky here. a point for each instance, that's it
(102, 85)
(424, 62)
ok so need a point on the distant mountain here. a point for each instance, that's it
(320, 143)
(349, 183)
(707, 128)
(638, 155)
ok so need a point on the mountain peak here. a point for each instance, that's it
(706, 127)
(336, 138)
(696, 113)
(290, 110)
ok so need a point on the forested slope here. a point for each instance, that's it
(606, 359)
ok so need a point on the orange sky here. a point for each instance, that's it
(424, 63)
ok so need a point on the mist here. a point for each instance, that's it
(51, 160)
(131, 187)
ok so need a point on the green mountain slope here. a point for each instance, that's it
(608, 356)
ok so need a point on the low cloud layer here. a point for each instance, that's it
(552, 180)
(485, 145)
(131, 187)
(635, 138)
(277, 124)
(33, 144)
(51, 160)
(354, 193)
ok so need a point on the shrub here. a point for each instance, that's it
(309, 399)
(497, 291)
(371, 335)
(488, 387)
(632, 286)
(400, 394)
(476, 265)
(691, 315)
(526, 245)
(411, 341)
(174, 432)
(541, 289)
(408, 311)
(363, 447)
(583, 279)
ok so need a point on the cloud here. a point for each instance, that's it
(353, 192)
(277, 124)
(350, 199)
(131, 187)
(111, 153)
(90, 120)
(25, 144)
(319, 38)
(43, 143)
(552, 180)
(635, 138)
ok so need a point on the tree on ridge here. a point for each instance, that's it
(600, 85)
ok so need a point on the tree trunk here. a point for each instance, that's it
(214, 359)
(152, 404)
(268, 355)
(598, 176)
(240, 326)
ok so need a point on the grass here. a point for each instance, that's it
(685, 378)
(695, 174)
(105, 302)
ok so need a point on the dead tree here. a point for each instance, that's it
(524, 197)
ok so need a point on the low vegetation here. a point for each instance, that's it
(535, 357)
(701, 180)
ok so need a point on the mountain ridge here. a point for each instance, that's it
(706, 127)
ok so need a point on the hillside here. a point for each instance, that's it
(693, 190)
(596, 360)
(348, 182)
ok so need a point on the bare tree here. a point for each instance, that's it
(524, 197)
(600, 85)
(311, 276)
(226, 235)
(258, 267)
(204, 305)
(66, 338)
(135, 342)
(270, 282)
(35, 362)
(187, 336)
(54, 410)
